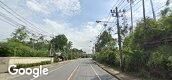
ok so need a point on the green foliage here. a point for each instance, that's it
(62, 45)
(16, 48)
(4, 50)
(135, 61)
(102, 42)
(167, 9)
(106, 50)
(107, 57)
(146, 50)
(160, 63)
(153, 31)
(59, 42)
(20, 34)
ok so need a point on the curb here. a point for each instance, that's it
(117, 74)
(107, 71)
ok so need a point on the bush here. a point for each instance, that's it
(160, 62)
(154, 59)
(33, 64)
(135, 61)
(15, 48)
(106, 57)
(4, 50)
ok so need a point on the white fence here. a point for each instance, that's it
(4, 64)
(28, 60)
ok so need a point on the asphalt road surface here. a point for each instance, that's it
(80, 69)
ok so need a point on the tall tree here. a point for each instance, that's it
(103, 41)
(59, 42)
(20, 34)
(69, 45)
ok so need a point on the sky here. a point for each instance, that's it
(74, 18)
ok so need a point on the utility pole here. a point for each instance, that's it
(153, 11)
(144, 15)
(119, 35)
(131, 9)
(125, 25)
(51, 49)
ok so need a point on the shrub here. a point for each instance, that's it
(33, 64)
(15, 48)
(160, 62)
(106, 57)
(4, 50)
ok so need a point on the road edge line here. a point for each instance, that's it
(107, 71)
(72, 73)
(95, 72)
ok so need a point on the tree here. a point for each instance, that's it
(69, 45)
(59, 42)
(20, 34)
(103, 41)
(167, 9)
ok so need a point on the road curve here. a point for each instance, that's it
(79, 69)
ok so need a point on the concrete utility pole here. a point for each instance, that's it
(153, 11)
(124, 18)
(131, 9)
(51, 47)
(119, 35)
(125, 24)
(50, 53)
(144, 15)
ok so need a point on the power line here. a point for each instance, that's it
(120, 3)
(135, 5)
(126, 5)
(19, 16)
(135, 10)
(158, 9)
(109, 16)
(12, 22)
(115, 4)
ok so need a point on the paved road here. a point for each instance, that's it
(80, 69)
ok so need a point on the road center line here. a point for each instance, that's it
(95, 72)
(72, 73)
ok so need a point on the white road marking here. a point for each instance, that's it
(95, 72)
(72, 73)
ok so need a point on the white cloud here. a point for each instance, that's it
(80, 37)
(65, 7)
(35, 6)
(68, 7)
